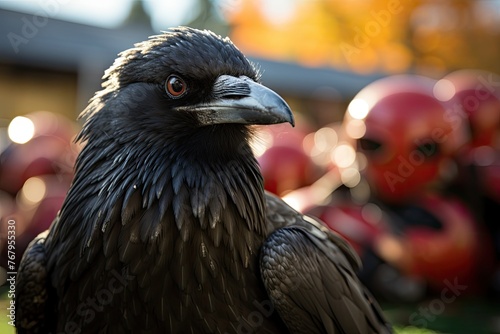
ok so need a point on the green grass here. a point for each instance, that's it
(5, 328)
(465, 316)
(413, 330)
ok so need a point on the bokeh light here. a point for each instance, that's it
(21, 130)
(350, 177)
(358, 109)
(355, 128)
(344, 155)
(444, 90)
(33, 191)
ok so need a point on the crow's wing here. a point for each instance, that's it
(32, 294)
(309, 274)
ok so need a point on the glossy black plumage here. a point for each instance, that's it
(167, 228)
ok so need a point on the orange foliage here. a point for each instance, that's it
(389, 36)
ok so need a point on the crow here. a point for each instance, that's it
(167, 228)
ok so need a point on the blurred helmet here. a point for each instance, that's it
(284, 162)
(360, 225)
(404, 133)
(41, 144)
(286, 168)
(443, 243)
(431, 243)
(367, 227)
(476, 97)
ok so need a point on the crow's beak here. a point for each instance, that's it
(242, 100)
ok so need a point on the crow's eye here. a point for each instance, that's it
(175, 86)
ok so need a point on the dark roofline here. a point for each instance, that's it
(63, 45)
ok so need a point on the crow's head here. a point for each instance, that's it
(167, 140)
(177, 83)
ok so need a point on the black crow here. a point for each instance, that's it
(167, 228)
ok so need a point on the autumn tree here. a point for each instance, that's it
(389, 36)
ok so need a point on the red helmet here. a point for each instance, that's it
(434, 240)
(36, 169)
(286, 168)
(451, 247)
(475, 98)
(475, 95)
(284, 162)
(403, 131)
(44, 146)
(367, 227)
(360, 225)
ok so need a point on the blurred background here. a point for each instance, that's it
(397, 143)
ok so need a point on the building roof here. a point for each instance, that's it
(61, 45)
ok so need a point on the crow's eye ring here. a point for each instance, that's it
(175, 86)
